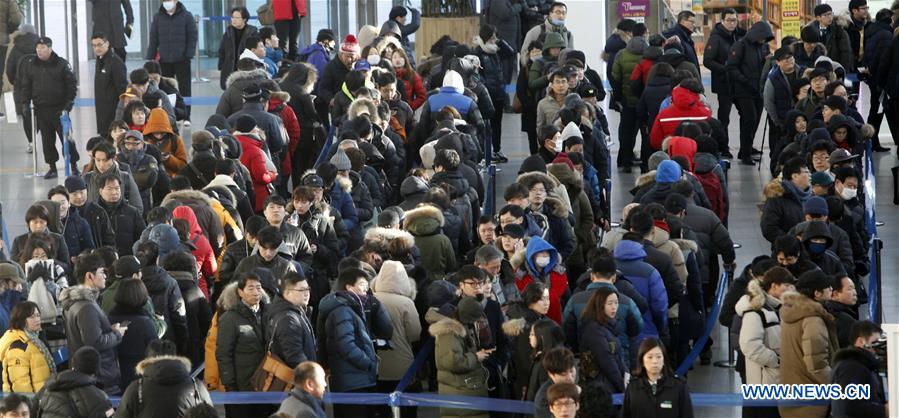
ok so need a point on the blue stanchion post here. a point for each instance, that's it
(709, 326)
(875, 304)
(327, 147)
(66, 123)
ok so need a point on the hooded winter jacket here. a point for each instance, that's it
(628, 319)
(164, 389)
(231, 100)
(625, 62)
(141, 332)
(261, 168)
(782, 210)
(808, 343)
(458, 370)
(86, 324)
(397, 292)
(170, 145)
(72, 389)
(437, 256)
(686, 106)
(167, 300)
(746, 60)
(760, 335)
(552, 276)
(199, 313)
(240, 344)
(717, 50)
(290, 332)
(629, 257)
(206, 260)
(858, 366)
(346, 344)
(602, 342)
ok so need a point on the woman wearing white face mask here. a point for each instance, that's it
(544, 265)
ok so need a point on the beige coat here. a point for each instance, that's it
(759, 343)
(808, 342)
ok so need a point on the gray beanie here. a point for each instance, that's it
(341, 161)
(656, 158)
(469, 310)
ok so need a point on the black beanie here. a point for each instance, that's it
(810, 34)
(822, 9)
(533, 163)
(245, 123)
(86, 360)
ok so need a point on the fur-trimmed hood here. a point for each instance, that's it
(229, 298)
(344, 183)
(797, 307)
(254, 74)
(186, 195)
(183, 362)
(755, 298)
(646, 179)
(447, 326)
(568, 177)
(389, 240)
(73, 294)
(514, 327)
(557, 207)
(774, 189)
(423, 220)
(686, 245)
(283, 96)
(391, 280)
(528, 180)
(221, 180)
(362, 106)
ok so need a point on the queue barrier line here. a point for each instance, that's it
(712, 319)
(875, 308)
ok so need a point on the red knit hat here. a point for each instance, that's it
(351, 45)
(562, 158)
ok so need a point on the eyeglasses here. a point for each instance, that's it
(564, 404)
(301, 290)
(474, 282)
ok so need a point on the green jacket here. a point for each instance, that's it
(537, 80)
(625, 62)
(458, 370)
(240, 346)
(437, 255)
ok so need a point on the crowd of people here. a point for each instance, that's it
(273, 255)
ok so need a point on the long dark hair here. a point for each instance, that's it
(648, 344)
(549, 335)
(596, 306)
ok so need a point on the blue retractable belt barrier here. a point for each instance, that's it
(413, 369)
(874, 296)
(709, 326)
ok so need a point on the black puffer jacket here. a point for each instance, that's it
(168, 302)
(717, 49)
(241, 345)
(783, 210)
(48, 84)
(101, 228)
(127, 224)
(165, 390)
(72, 389)
(746, 59)
(22, 46)
(199, 314)
(173, 36)
(290, 332)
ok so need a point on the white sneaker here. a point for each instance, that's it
(186, 124)
(29, 149)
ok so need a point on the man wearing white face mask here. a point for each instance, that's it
(846, 186)
(173, 35)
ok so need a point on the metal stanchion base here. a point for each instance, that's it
(725, 364)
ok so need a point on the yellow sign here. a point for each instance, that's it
(790, 25)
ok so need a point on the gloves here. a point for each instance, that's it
(39, 270)
(128, 31)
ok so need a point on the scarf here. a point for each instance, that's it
(801, 195)
(48, 357)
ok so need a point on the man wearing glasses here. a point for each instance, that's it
(725, 34)
(291, 335)
(834, 37)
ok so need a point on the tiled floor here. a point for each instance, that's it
(18, 190)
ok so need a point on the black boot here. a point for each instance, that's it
(51, 174)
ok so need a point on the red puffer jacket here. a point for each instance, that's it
(685, 105)
(254, 159)
(277, 105)
(283, 11)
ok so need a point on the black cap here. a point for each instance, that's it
(819, 72)
(836, 103)
(75, 183)
(313, 180)
(44, 40)
(513, 231)
(245, 123)
(254, 92)
(125, 267)
(586, 90)
(325, 35)
(783, 52)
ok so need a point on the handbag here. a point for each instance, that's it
(516, 104)
(266, 14)
(272, 375)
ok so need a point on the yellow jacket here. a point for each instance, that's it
(24, 367)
